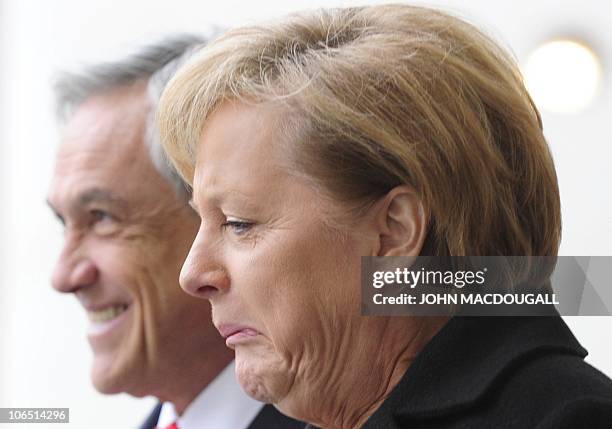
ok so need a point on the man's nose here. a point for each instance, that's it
(73, 273)
(202, 275)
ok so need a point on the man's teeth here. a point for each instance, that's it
(107, 314)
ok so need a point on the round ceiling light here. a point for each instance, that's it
(563, 76)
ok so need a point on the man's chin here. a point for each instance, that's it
(107, 378)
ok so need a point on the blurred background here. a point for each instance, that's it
(564, 48)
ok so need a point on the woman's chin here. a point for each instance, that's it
(254, 387)
(261, 376)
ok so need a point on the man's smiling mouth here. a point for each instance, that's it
(107, 313)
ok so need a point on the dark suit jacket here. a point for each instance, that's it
(500, 372)
(268, 418)
(151, 420)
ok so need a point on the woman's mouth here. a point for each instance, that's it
(235, 334)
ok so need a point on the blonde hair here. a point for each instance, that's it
(380, 96)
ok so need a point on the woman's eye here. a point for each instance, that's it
(238, 226)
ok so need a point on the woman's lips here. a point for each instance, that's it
(234, 334)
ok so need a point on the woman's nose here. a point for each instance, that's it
(202, 274)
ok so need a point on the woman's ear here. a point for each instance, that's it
(401, 223)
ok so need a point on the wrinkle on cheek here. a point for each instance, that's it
(335, 315)
(154, 225)
(154, 296)
(310, 356)
(313, 359)
(136, 348)
(150, 298)
(135, 237)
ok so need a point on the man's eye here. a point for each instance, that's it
(238, 226)
(100, 215)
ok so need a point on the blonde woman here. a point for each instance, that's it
(376, 131)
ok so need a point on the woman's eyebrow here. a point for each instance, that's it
(220, 196)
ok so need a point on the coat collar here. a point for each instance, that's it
(463, 361)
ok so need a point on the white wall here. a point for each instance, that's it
(44, 358)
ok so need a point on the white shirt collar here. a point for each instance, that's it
(221, 405)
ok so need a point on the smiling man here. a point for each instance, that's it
(127, 230)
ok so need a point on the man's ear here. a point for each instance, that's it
(401, 223)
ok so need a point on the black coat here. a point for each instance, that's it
(500, 372)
